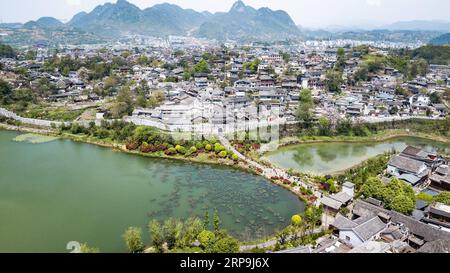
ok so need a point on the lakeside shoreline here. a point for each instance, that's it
(240, 166)
(294, 141)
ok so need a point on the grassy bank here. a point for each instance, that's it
(376, 137)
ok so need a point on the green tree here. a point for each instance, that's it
(435, 98)
(124, 103)
(402, 204)
(206, 239)
(362, 74)
(306, 106)
(156, 235)
(193, 227)
(443, 197)
(373, 187)
(133, 239)
(285, 56)
(5, 91)
(282, 236)
(30, 55)
(7, 51)
(226, 245)
(201, 67)
(313, 216)
(340, 63)
(172, 232)
(159, 96)
(252, 66)
(141, 101)
(110, 82)
(324, 126)
(206, 220)
(296, 220)
(216, 221)
(334, 81)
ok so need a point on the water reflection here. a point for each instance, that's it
(327, 158)
(326, 154)
(303, 156)
(72, 191)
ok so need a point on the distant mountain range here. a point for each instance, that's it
(441, 40)
(113, 20)
(124, 18)
(419, 25)
(241, 22)
(44, 22)
(245, 21)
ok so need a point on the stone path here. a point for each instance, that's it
(274, 242)
(267, 172)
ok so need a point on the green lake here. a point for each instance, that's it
(60, 191)
(329, 158)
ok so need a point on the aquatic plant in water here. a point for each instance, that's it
(34, 138)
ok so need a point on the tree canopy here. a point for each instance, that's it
(306, 106)
(396, 195)
(6, 51)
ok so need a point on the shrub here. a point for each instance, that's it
(180, 149)
(208, 147)
(199, 145)
(192, 150)
(206, 238)
(235, 157)
(344, 211)
(132, 146)
(101, 133)
(145, 148)
(256, 146)
(296, 220)
(443, 197)
(171, 151)
(218, 148)
(223, 154)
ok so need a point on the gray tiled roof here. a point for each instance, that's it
(438, 246)
(410, 150)
(370, 228)
(341, 197)
(329, 202)
(343, 222)
(429, 233)
(406, 164)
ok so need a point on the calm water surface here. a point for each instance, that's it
(62, 191)
(328, 158)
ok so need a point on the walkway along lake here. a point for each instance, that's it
(333, 157)
(60, 191)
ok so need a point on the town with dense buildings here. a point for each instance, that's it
(204, 98)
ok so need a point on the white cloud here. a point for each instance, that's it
(374, 3)
(73, 2)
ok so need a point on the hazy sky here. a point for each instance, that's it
(309, 13)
